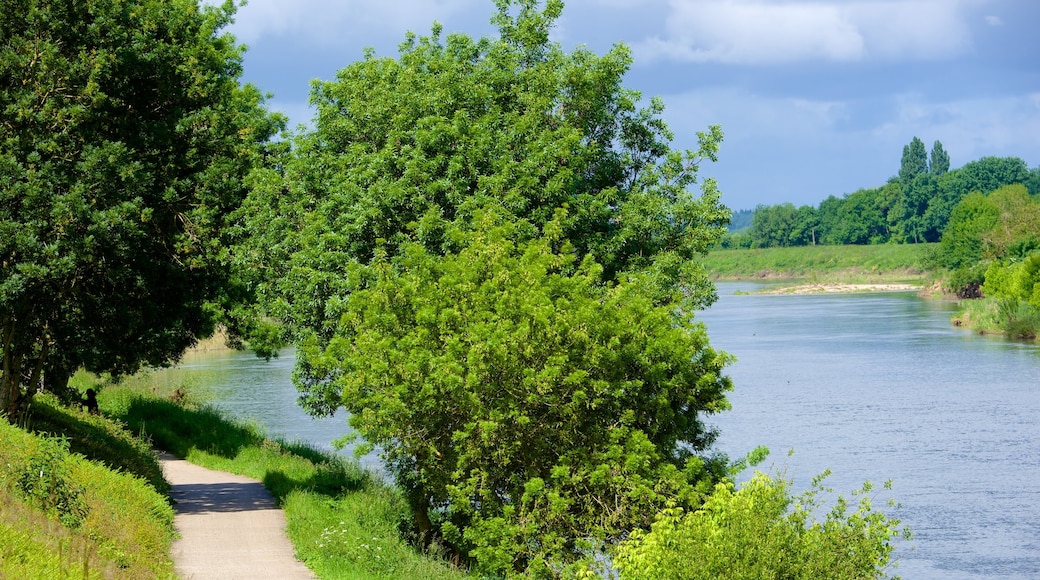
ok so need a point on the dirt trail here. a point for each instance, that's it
(230, 527)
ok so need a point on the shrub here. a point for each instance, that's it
(761, 531)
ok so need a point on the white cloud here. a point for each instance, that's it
(971, 128)
(337, 21)
(994, 20)
(745, 115)
(758, 31)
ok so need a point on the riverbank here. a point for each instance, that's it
(839, 288)
(882, 264)
(826, 269)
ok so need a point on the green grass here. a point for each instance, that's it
(885, 263)
(1014, 319)
(343, 521)
(65, 516)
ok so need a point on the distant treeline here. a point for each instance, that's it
(912, 207)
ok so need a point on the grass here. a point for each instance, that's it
(65, 516)
(1012, 318)
(886, 263)
(343, 521)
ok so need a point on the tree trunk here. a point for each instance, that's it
(422, 520)
(11, 372)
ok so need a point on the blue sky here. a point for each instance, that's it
(816, 97)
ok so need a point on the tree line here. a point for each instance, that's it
(485, 250)
(914, 206)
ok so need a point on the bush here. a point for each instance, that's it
(761, 531)
(45, 483)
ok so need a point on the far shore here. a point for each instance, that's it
(839, 288)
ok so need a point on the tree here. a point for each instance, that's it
(985, 228)
(526, 408)
(861, 219)
(1033, 182)
(961, 243)
(806, 229)
(940, 161)
(1017, 231)
(125, 140)
(912, 207)
(774, 226)
(828, 215)
(990, 173)
(762, 531)
(914, 162)
(378, 238)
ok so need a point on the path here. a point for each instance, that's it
(229, 525)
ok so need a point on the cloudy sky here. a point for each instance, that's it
(816, 97)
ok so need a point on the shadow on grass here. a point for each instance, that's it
(282, 467)
(97, 438)
(180, 430)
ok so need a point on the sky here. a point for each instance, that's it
(815, 97)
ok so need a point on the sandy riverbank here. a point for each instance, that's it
(839, 288)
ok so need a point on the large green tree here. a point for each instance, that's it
(522, 403)
(530, 412)
(124, 140)
(914, 161)
(940, 160)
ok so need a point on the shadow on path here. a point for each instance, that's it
(230, 526)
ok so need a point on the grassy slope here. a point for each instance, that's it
(850, 264)
(120, 526)
(344, 522)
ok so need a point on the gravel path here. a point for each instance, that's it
(230, 527)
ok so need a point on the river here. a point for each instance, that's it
(882, 386)
(872, 386)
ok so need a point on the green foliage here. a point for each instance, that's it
(915, 207)
(990, 173)
(1015, 289)
(961, 247)
(940, 160)
(405, 149)
(1033, 182)
(45, 483)
(740, 220)
(762, 531)
(914, 161)
(1002, 226)
(515, 396)
(912, 209)
(483, 248)
(124, 141)
(779, 226)
(1017, 232)
(862, 218)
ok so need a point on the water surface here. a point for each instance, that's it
(882, 386)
